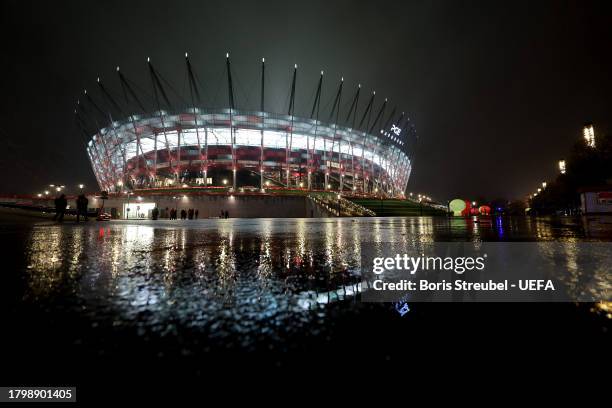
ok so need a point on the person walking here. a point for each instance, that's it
(155, 213)
(183, 214)
(190, 214)
(195, 214)
(81, 207)
(56, 205)
(60, 208)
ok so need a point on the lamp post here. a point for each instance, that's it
(562, 166)
(589, 135)
(127, 208)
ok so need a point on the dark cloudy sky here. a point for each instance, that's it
(498, 90)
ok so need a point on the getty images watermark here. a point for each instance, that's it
(458, 265)
(488, 272)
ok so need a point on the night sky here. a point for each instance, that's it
(498, 91)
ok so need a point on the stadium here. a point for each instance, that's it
(364, 150)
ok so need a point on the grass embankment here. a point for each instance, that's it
(396, 208)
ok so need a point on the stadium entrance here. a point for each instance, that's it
(138, 210)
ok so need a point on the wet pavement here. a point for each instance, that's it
(183, 296)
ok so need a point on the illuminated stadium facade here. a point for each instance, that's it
(360, 153)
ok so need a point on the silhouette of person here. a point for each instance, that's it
(195, 214)
(57, 205)
(190, 214)
(81, 207)
(226, 214)
(60, 208)
(155, 213)
(183, 214)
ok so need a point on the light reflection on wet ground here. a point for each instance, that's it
(231, 284)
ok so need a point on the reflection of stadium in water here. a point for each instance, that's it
(287, 264)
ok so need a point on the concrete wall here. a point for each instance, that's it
(210, 206)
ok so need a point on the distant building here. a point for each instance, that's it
(596, 200)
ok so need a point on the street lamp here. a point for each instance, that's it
(589, 135)
(543, 184)
(81, 186)
(562, 166)
(127, 209)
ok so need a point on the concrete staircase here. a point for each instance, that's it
(337, 206)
